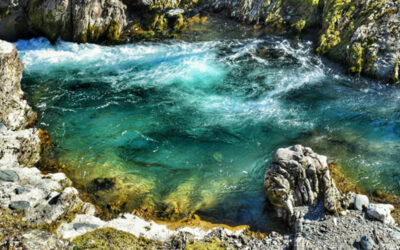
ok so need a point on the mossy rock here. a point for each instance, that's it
(109, 238)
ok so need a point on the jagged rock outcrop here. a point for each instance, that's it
(15, 113)
(44, 198)
(72, 20)
(362, 34)
(297, 176)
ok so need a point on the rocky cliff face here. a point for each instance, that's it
(15, 112)
(72, 20)
(363, 34)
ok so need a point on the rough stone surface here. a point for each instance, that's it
(381, 212)
(76, 20)
(345, 232)
(361, 201)
(298, 176)
(8, 175)
(15, 113)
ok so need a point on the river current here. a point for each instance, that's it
(183, 127)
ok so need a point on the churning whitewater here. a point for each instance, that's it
(175, 128)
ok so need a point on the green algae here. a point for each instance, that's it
(110, 33)
(109, 238)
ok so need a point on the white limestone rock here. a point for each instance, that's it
(381, 212)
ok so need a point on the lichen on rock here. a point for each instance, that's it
(297, 176)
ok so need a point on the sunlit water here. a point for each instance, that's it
(192, 126)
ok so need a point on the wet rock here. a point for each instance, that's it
(8, 175)
(97, 20)
(381, 212)
(298, 176)
(361, 201)
(367, 243)
(19, 205)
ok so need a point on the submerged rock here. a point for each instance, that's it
(298, 176)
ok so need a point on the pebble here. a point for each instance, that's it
(8, 175)
(20, 190)
(367, 243)
(19, 205)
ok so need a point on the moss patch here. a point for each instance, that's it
(109, 238)
(212, 245)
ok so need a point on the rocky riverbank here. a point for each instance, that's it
(44, 211)
(363, 35)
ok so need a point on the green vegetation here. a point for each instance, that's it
(109, 238)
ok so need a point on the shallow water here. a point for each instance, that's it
(192, 126)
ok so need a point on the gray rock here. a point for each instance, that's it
(381, 212)
(15, 113)
(8, 175)
(20, 190)
(19, 205)
(367, 243)
(361, 201)
(296, 177)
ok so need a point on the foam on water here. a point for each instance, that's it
(192, 126)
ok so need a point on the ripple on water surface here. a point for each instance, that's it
(178, 127)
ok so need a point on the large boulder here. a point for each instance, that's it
(71, 20)
(97, 20)
(297, 176)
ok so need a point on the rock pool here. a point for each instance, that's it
(174, 128)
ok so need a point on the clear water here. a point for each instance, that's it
(192, 126)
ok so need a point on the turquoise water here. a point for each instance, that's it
(190, 127)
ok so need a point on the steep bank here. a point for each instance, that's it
(362, 34)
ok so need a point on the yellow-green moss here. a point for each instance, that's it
(300, 25)
(93, 33)
(356, 59)
(334, 11)
(213, 245)
(395, 76)
(109, 238)
(179, 23)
